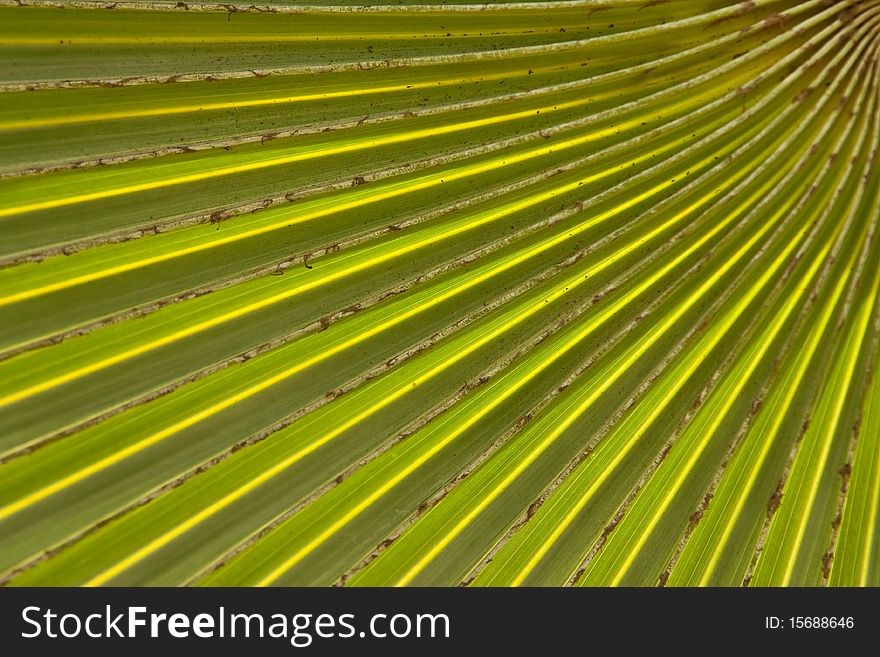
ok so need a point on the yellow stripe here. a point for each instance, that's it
(562, 288)
(236, 104)
(118, 456)
(698, 358)
(569, 518)
(208, 39)
(597, 483)
(778, 417)
(349, 147)
(386, 400)
(353, 146)
(111, 460)
(486, 408)
(560, 528)
(520, 467)
(767, 339)
(409, 469)
(805, 509)
(303, 552)
(643, 346)
(874, 493)
(767, 440)
(367, 501)
(392, 190)
(598, 321)
(486, 218)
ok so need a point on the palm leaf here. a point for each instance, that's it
(550, 293)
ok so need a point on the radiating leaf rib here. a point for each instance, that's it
(506, 294)
(518, 314)
(617, 561)
(558, 427)
(741, 497)
(855, 557)
(566, 235)
(649, 282)
(367, 259)
(515, 562)
(789, 556)
(192, 167)
(643, 425)
(243, 105)
(29, 478)
(31, 368)
(137, 172)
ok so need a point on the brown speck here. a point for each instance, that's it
(845, 473)
(803, 95)
(774, 20)
(775, 500)
(217, 217)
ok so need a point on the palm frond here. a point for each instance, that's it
(572, 292)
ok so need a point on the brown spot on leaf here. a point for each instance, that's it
(775, 500)
(774, 20)
(533, 508)
(218, 216)
(802, 95)
(742, 10)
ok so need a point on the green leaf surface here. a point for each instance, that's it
(506, 294)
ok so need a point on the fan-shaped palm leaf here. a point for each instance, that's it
(508, 294)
